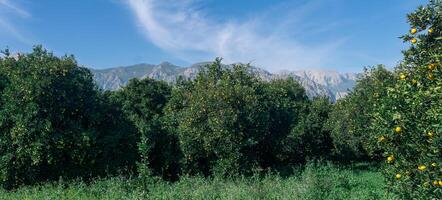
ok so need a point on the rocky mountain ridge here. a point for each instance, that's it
(316, 82)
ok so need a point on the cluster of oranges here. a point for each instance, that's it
(408, 117)
(398, 129)
(414, 31)
(398, 176)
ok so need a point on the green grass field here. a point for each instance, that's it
(324, 182)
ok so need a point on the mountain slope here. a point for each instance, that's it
(316, 82)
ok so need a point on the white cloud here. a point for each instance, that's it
(8, 12)
(182, 29)
(12, 31)
(16, 9)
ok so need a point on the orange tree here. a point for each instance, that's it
(55, 123)
(219, 119)
(350, 120)
(143, 101)
(230, 122)
(407, 122)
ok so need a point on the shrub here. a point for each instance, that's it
(408, 120)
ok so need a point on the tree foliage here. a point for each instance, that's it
(310, 139)
(220, 120)
(286, 103)
(143, 101)
(50, 121)
(408, 119)
(351, 120)
(54, 122)
(230, 122)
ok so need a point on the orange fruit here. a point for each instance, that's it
(413, 40)
(422, 167)
(413, 31)
(430, 134)
(430, 76)
(398, 129)
(431, 66)
(402, 76)
(381, 138)
(390, 159)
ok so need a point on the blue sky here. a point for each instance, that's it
(273, 34)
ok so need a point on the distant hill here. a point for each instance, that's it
(316, 82)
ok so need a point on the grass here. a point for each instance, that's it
(314, 182)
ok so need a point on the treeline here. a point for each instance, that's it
(55, 123)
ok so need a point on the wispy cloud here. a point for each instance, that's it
(12, 31)
(15, 8)
(186, 31)
(9, 12)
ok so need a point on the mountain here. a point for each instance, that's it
(316, 82)
(337, 84)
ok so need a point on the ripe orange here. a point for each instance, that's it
(390, 159)
(431, 66)
(398, 129)
(398, 176)
(430, 134)
(422, 167)
(430, 76)
(413, 31)
(381, 138)
(430, 30)
(402, 76)
(413, 40)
